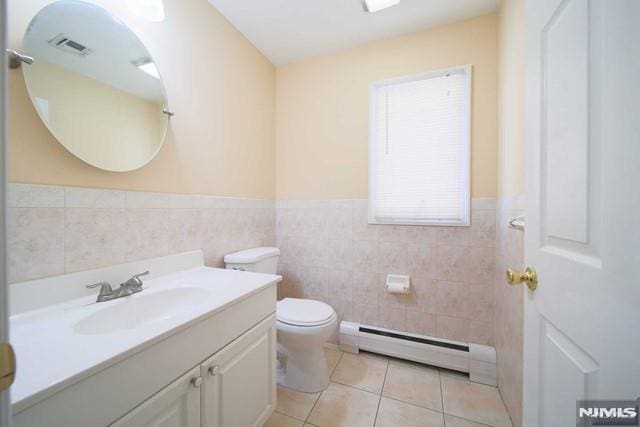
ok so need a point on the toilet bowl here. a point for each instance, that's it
(303, 326)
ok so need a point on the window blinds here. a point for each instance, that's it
(419, 154)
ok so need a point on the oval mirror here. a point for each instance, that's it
(95, 86)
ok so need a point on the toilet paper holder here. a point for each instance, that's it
(398, 284)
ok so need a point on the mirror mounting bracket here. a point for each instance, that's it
(16, 59)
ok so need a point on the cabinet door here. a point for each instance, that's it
(177, 405)
(239, 387)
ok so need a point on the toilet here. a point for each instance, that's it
(304, 326)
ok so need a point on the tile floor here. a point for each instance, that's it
(372, 390)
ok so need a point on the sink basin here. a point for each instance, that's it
(140, 309)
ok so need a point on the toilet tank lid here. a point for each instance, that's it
(252, 255)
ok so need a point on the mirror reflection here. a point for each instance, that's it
(95, 86)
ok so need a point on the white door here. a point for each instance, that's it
(239, 388)
(177, 405)
(582, 324)
(5, 412)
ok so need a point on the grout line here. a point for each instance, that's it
(306, 420)
(358, 388)
(294, 418)
(504, 404)
(381, 391)
(455, 415)
(413, 404)
(335, 366)
(468, 419)
(441, 395)
(288, 416)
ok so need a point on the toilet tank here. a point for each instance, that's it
(258, 260)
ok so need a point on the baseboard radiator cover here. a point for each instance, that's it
(479, 361)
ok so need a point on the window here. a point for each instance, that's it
(419, 149)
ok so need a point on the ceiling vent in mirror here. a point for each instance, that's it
(65, 44)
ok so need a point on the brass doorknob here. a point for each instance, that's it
(7, 365)
(529, 276)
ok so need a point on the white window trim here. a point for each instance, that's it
(466, 220)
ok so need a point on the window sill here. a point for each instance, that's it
(430, 223)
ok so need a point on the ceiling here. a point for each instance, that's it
(289, 30)
(113, 47)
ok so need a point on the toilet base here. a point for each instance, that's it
(301, 355)
(304, 371)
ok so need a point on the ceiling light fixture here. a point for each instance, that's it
(372, 6)
(151, 69)
(146, 65)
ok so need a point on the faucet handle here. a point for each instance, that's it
(105, 287)
(134, 281)
(144, 273)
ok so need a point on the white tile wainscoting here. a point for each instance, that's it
(331, 253)
(54, 230)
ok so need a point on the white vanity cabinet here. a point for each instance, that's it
(144, 360)
(239, 382)
(236, 387)
(177, 405)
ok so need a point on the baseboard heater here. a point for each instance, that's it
(479, 361)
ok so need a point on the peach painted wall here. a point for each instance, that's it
(511, 98)
(221, 88)
(322, 111)
(64, 93)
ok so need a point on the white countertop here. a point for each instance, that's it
(53, 351)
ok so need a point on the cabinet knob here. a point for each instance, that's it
(196, 382)
(213, 370)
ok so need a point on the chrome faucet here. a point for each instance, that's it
(130, 287)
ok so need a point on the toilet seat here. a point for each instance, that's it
(304, 312)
